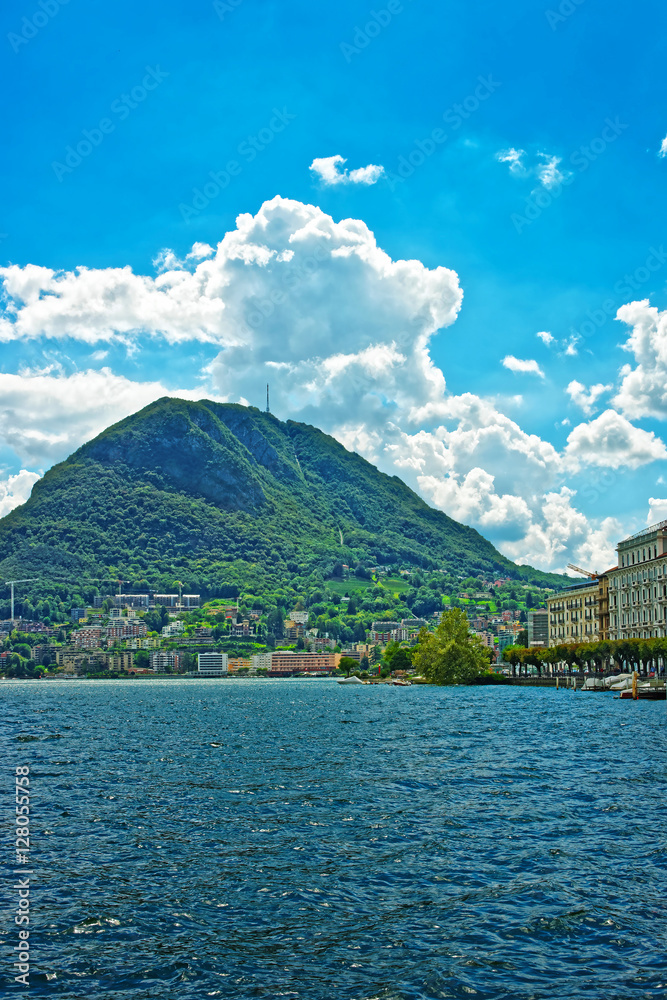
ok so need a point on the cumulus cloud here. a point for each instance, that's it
(546, 337)
(268, 275)
(526, 367)
(15, 490)
(328, 170)
(515, 159)
(46, 416)
(343, 334)
(613, 442)
(586, 399)
(663, 148)
(643, 388)
(657, 510)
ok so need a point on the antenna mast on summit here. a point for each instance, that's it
(267, 398)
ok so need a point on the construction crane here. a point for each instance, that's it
(584, 572)
(10, 583)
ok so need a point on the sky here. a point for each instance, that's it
(436, 229)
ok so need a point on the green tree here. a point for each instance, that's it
(450, 655)
(347, 665)
(142, 659)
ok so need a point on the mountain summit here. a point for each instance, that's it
(222, 495)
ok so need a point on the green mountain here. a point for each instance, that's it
(227, 498)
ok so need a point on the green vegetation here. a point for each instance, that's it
(450, 655)
(595, 656)
(233, 503)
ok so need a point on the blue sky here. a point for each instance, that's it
(542, 192)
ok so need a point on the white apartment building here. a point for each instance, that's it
(638, 586)
(261, 661)
(212, 664)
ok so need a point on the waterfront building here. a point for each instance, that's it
(574, 614)
(538, 627)
(505, 639)
(212, 664)
(238, 663)
(165, 659)
(261, 661)
(287, 663)
(637, 592)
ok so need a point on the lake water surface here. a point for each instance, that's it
(241, 839)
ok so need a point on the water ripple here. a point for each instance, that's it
(265, 839)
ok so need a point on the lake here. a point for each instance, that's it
(294, 838)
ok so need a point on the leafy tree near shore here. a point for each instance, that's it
(348, 664)
(450, 655)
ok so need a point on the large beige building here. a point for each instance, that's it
(638, 586)
(627, 602)
(574, 613)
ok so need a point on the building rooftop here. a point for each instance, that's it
(660, 526)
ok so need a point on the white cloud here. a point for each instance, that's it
(586, 399)
(663, 148)
(546, 337)
(643, 389)
(657, 510)
(527, 366)
(571, 346)
(342, 332)
(613, 442)
(267, 277)
(548, 173)
(44, 417)
(328, 170)
(545, 168)
(563, 534)
(15, 490)
(200, 250)
(514, 158)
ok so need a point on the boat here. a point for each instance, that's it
(645, 692)
(401, 684)
(350, 680)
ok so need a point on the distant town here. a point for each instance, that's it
(151, 633)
